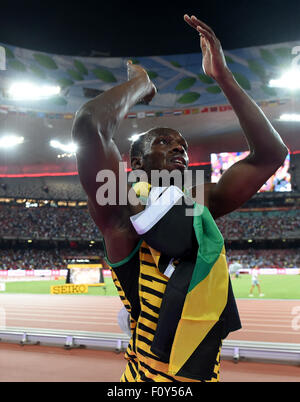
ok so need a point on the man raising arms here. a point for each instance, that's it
(94, 129)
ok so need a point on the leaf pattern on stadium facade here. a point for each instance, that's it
(179, 78)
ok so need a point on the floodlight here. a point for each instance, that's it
(289, 80)
(30, 91)
(290, 117)
(69, 148)
(9, 141)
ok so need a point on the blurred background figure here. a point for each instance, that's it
(235, 268)
(124, 321)
(255, 282)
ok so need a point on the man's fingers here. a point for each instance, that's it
(196, 23)
(202, 24)
(206, 34)
(189, 21)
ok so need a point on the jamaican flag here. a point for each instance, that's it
(198, 309)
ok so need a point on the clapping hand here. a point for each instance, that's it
(134, 70)
(213, 60)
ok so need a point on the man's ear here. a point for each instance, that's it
(136, 162)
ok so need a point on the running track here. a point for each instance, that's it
(262, 320)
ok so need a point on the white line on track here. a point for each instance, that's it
(246, 324)
(62, 309)
(64, 321)
(287, 320)
(273, 332)
(37, 315)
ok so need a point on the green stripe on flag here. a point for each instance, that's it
(210, 241)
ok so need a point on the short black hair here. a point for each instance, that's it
(137, 148)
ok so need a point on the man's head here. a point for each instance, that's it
(158, 149)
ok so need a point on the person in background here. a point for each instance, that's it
(235, 268)
(255, 282)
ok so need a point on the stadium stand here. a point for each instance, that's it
(56, 188)
(275, 258)
(47, 223)
(69, 223)
(275, 224)
(32, 258)
(44, 218)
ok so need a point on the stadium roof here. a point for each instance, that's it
(118, 28)
(257, 36)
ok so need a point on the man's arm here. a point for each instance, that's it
(267, 150)
(93, 131)
(267, 153)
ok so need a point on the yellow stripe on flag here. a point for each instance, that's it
(202, 309)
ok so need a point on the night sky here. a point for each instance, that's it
(126, 28)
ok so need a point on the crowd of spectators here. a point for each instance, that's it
(68, 222)
(56, 188)
(260, 225)
(271, 258)
(74, 223)
(47, 222)
(32, 258)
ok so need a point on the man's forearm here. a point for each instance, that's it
(106, 111)
(264, 141)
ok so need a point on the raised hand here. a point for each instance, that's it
(213, 59)
(134, 70)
